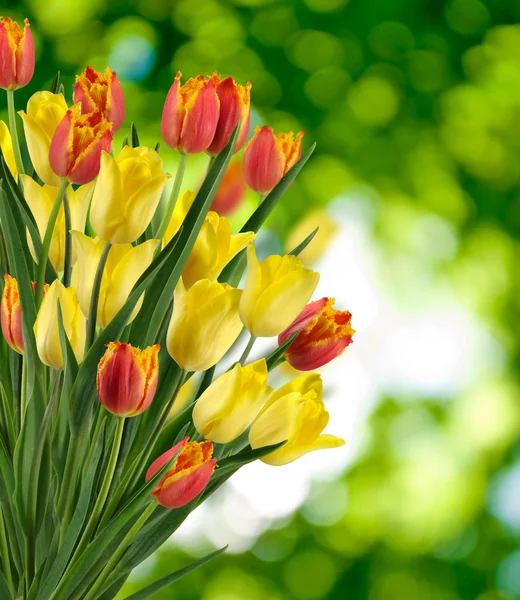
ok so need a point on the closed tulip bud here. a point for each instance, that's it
(214, 248)
(234, 107)
(275, 293)
(204, 324)
(319, 243)
(77, 144)
(45, 112)
(182, 206)
(124, 266)
(127, 194)
(46, 328)
(100, 92)
(16, 54)
(6, 145)
(190, 115)
(231, 403)
(187, 477)
(127, 378)
(268, 157)
(11, 314)
(324, 334)
(40, 199)
(295, 414)
(231, 191)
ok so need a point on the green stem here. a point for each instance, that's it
(112, 563)
(67, 269)
(168, 211)
(68, 487)
(247, 349)
(14, 132)
(42, 263)
(23, 392)
(5, 553)
(94, 299)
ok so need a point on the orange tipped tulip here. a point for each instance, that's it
(231, 191)
(100, 92)
(234, 107)
(127, 378)
(187, 477)
(77, 144)
(16, 54)
(190, 114)
(268, 157)
(11, 314)
(324, 334)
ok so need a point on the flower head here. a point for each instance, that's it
(16, 54)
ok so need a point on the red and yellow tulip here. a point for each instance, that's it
(16, 54)
(11, 314)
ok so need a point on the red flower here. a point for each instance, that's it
(231, 190)
(16, 54)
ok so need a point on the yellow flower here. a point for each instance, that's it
(295, 413)
(45, 111)
(227, 408)
(40, 200)
(180, 211)
(275, 293)
(125, 264)
(320, 242)
(183, 399)
(7, 149)
(46, 327)
(213, 249)
(204, 324)
(127, 194)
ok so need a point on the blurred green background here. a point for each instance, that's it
(415, 106)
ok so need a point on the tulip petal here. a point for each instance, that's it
(105, 211)
(173, 114)
(38, 143)
(25, 58)
(264, 161)
(200, 120)
(284, 455)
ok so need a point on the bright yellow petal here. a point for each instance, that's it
(7, 149)
(287, 455)
(106, 212)
(252, 288)
(38, 144)
(88, 252)
(180, 211)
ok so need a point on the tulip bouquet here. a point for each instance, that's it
(112, 301)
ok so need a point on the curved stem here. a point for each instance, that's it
(23, 392)
(247, 349)
(67, 269)
(94, 299)
(168, 212)
(14, 132)
(42, 263)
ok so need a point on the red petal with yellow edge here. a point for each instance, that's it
(201, 118)
(25, 57)
(173, 114)
(264, 161)
(186, 487)
(8, 54)
(61, 151)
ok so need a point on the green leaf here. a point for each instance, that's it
(302, 245)
(133, 135)
(273, 359)
(169, 579)
(233, 463)
(55, 85)
(4, 588)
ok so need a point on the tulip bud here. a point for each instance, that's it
(324, 335)
(45, 112)
(319, 243)
(77, 144)
(204, 324)
(16, 54)
(187, 477)
(268, 157)
(6, 145)
(100, 92)
(127, 194)
(46, 328)
(213, 249)
(11, 314)
(295, 414)
(275, 293)
(231, 191)
(234, 107)
(190, 115)
(124, 266)
(127, 378)
(229, 405)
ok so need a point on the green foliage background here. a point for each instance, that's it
(417, 102)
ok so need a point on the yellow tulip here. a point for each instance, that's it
(275, 293)
(182, 206)
(184, 398)
(320, 242)
(230, 404)
(40, 199)
(46, 327)
(213, 249)
(204, 324)
(45, 111)
(295, 413)
(125, 264)
(127, 194)
(7, 149)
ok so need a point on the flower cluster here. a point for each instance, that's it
(104, 269)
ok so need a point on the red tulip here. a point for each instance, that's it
(77, 144)
(188, 476)
(324, 334)
(16, 54)
(234, 107)
(127, 378)
(268, 157)
(231, 191)
(100, 92)
(11, 314)
(190, 114)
